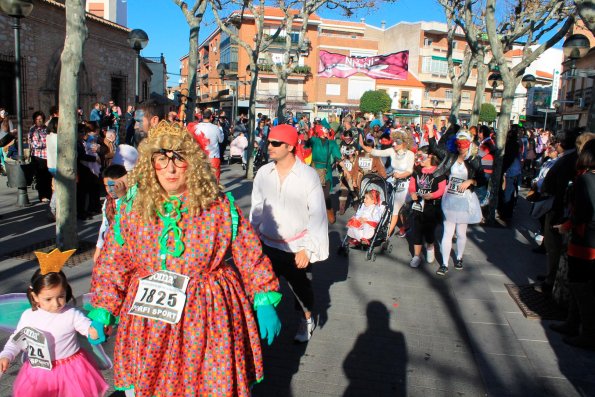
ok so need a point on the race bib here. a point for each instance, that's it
(365, 163)
(348, 165)
(34, 342)
(453, 186)
(161, 296)
(402, 185)
(418, 206)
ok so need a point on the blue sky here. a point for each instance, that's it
(168, 31)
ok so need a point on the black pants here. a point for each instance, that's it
(553, 243)
(284, 266)
(88, 186)
(43, 177)
(425, 223)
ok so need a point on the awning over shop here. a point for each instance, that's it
(437, 58)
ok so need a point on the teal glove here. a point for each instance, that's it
(268, 322)
(99, 328)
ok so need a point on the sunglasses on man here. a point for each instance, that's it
(275, 143)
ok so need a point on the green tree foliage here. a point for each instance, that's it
(375, 102)
(487, 113)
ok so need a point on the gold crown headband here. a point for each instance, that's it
(166, 128)
(54, 261)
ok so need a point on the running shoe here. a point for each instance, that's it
(305, 330)
(442, 270)
(459, 264)
(415, 261)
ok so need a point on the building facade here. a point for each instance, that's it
(107, 71)
(577, 96)
(307, 91)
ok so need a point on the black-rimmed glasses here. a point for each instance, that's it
(162, 158)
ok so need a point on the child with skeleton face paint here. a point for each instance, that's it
(348, 150)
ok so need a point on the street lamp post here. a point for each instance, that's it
(137, 39)
(19, 9)
(234, 100)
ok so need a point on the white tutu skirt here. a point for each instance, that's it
(463, 208)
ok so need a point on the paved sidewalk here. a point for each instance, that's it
(384, 329)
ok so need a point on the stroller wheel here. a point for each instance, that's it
(373, 256)
(368, 255)
(389, 248)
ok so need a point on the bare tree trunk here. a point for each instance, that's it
(192, 65)
(193, 18)
(252, 117)
(455, 105)
(503, 127)
(282, 81)
(72, 57)
(482, 78)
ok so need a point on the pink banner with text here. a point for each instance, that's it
(390, 66)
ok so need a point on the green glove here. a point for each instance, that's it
(268, 322)
(101, 335)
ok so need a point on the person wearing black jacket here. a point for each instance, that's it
(511, 164)
(556, 184)
(87, 182)
(460, 205)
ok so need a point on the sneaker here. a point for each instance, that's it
(459, 264)
(402, 232)
(442, 270)
(415, 261)
(430, 256)
(305, 330)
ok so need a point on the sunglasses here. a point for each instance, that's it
(275, 143)
(162, 158)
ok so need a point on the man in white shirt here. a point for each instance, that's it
(289, 215)
(215, 136)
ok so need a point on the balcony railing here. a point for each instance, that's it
(267, 67)
(263, 95)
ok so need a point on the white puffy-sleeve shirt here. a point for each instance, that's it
(60, 329)
(290, 216)
(402, 161)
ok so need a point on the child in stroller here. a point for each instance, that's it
(360, 228)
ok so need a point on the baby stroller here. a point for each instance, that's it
(380, 237)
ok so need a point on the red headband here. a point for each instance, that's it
(375, 196)
(463, 143)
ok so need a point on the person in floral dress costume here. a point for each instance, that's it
(186, 319)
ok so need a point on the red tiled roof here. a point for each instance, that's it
(514, 53)
(546, 75)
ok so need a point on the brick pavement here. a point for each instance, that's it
(385, 329)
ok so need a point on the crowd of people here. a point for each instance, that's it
(189, 320)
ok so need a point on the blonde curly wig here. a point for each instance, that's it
(202, 187)
(404, 136)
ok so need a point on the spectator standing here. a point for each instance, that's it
(555, 184)
(580, 323)
(38, 144)
(288, 213)
(130, 123)
(214, 134)
(96, 117)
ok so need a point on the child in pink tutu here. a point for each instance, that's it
(361, 226)
(56, 366)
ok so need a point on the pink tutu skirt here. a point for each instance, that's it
(74, 376)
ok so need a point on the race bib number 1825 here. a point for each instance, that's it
(161, 296)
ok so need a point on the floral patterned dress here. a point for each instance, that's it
(214, 350)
